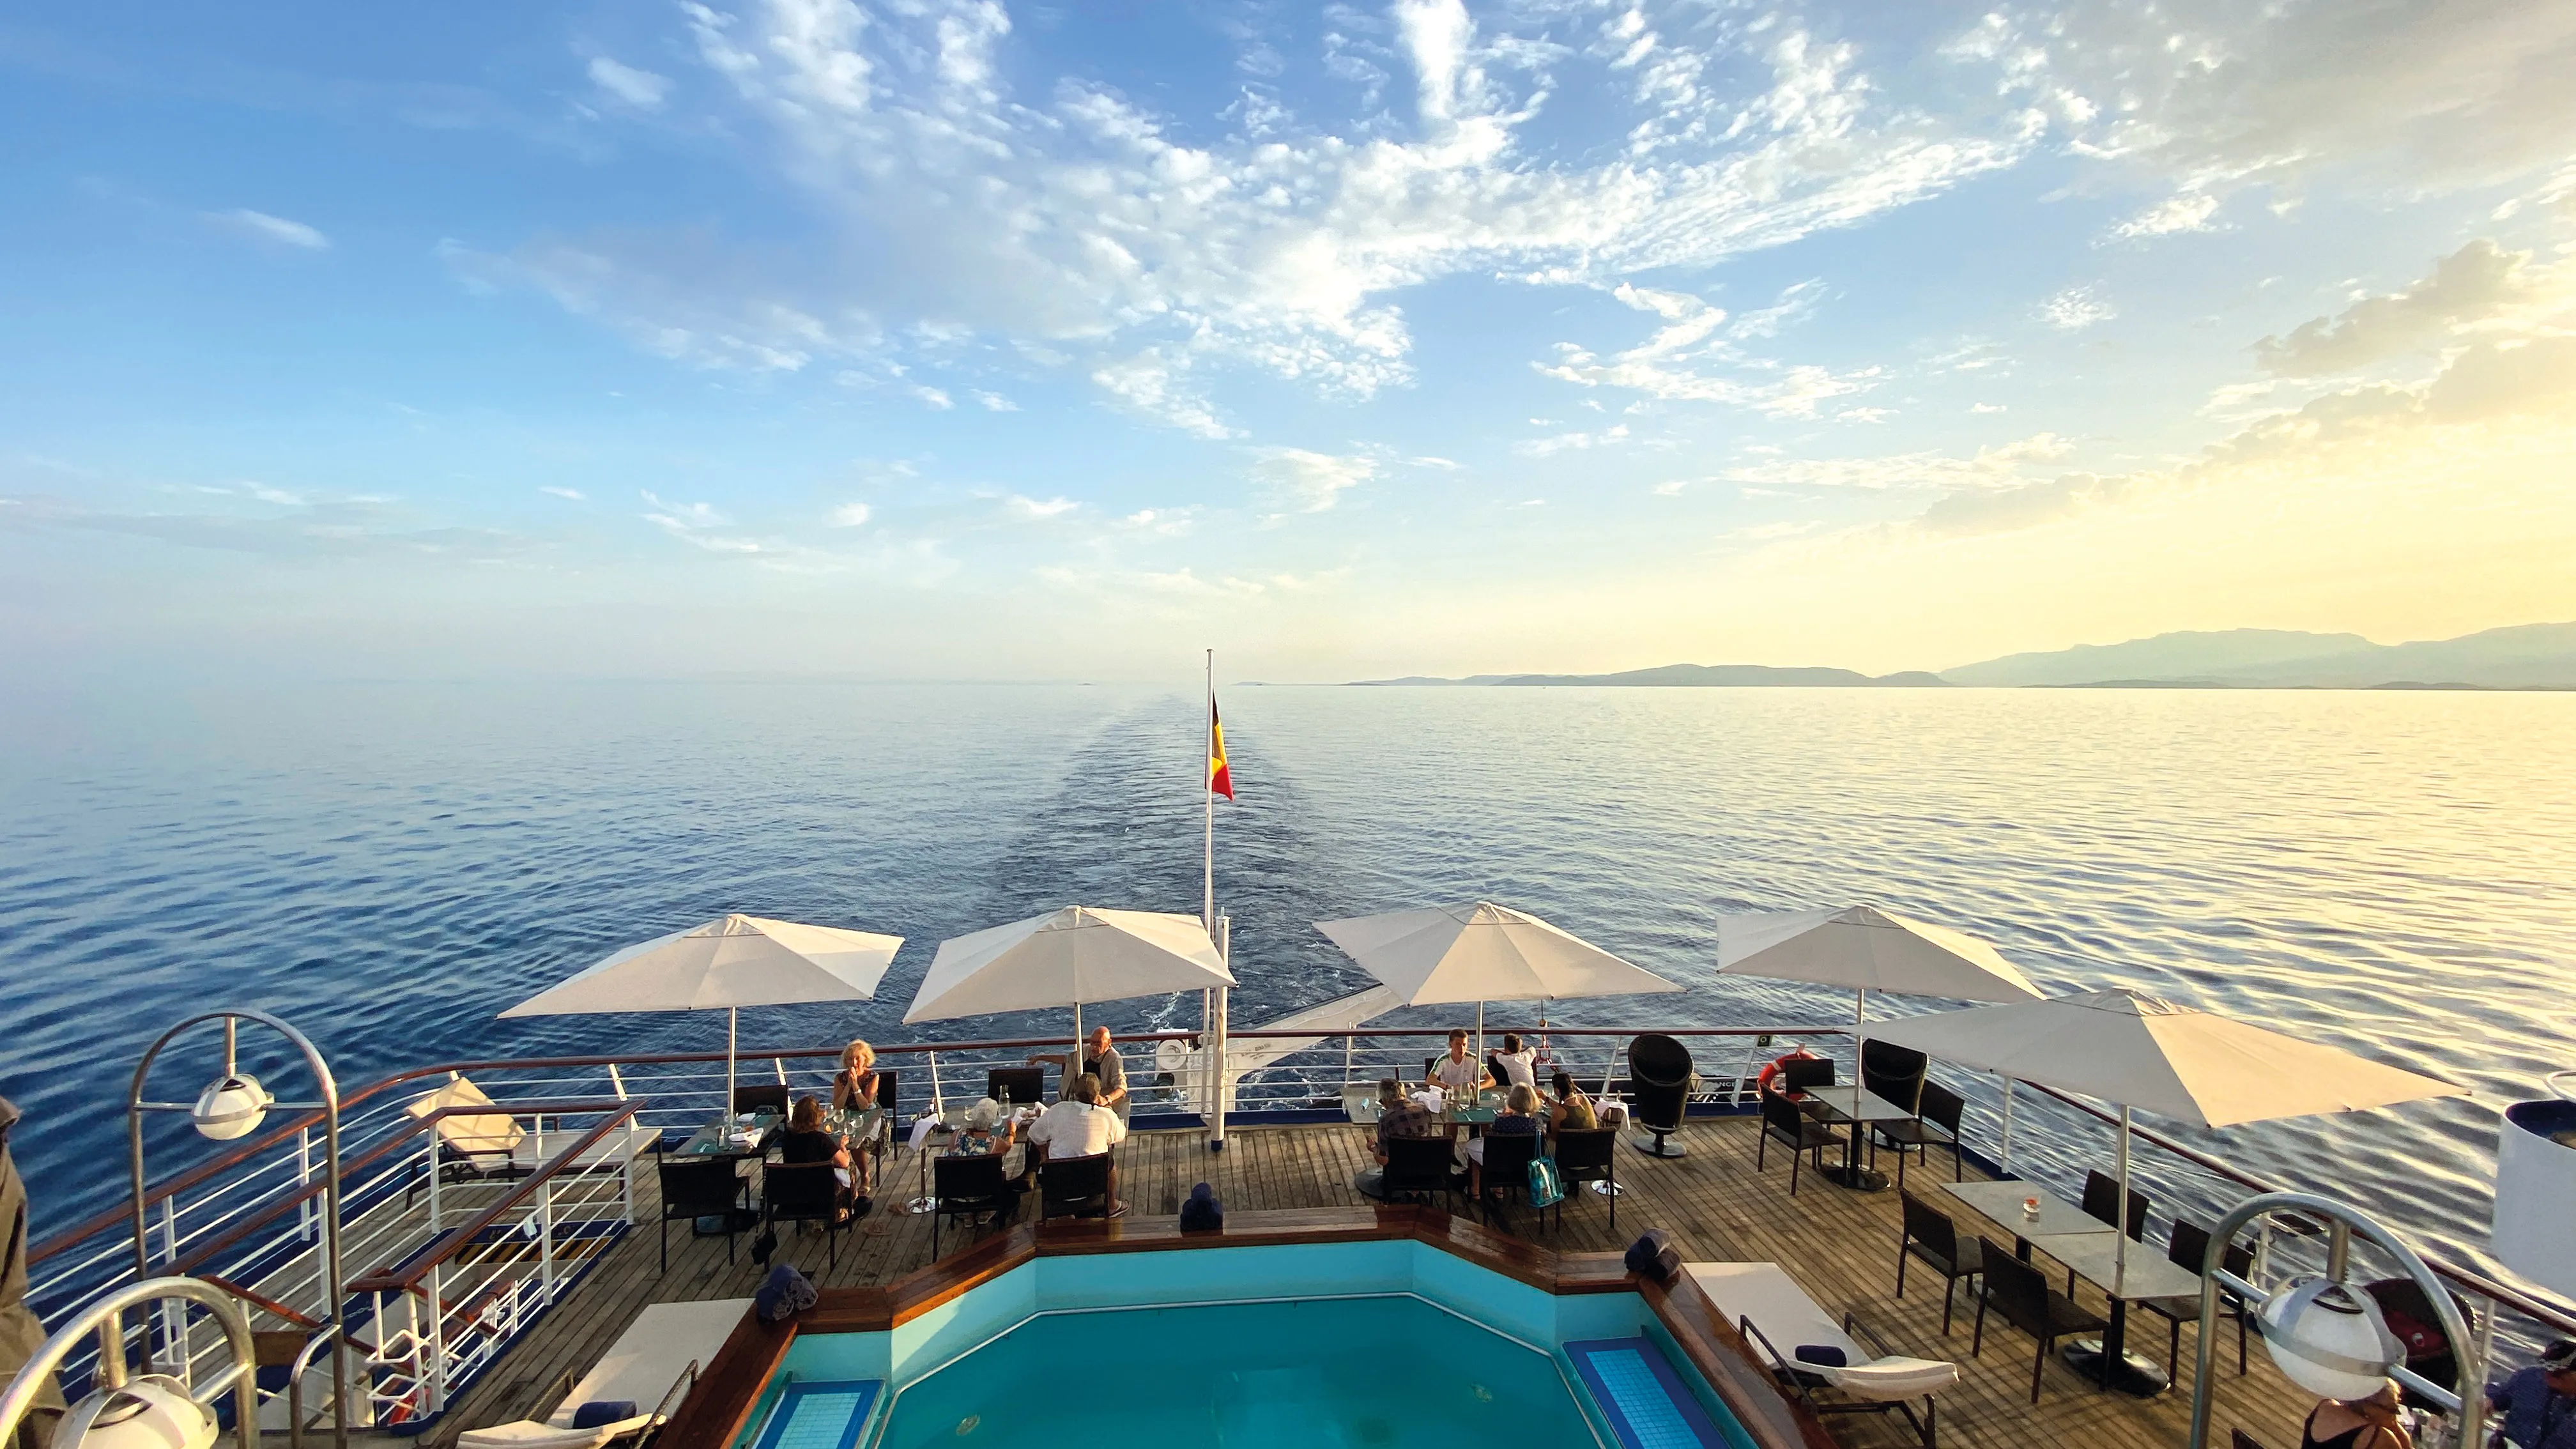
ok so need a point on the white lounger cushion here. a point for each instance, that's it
(1791, 1320)
(647, 1359)
(1889, 1378)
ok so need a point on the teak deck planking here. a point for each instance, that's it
(1839, 1245)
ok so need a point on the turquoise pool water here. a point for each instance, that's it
(1369, 1373)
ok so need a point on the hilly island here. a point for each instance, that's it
(2523, 656)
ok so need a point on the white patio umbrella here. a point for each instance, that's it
(1867, 949)
(2143, 1053)
(730, 962)
(1072, 957)
(1483, 952)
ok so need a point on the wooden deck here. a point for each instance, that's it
(1839, 1245)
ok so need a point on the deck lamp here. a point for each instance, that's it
(152, 1411)
(2328, 1339)
(233, 1106)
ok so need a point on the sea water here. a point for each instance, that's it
(388, 865)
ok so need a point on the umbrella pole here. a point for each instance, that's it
(1860, 1029)
(1480, 1035)
(2120, 1225)
(2005, 1161)
(733, 1020)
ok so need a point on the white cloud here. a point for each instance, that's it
(1689, 358)
(575, 494)
(2184, 211)
(1988, 407)
(1066, 217)
(1312, 482)
(641, 89)
(2075, 309)
(1037, 509)
(935, 398)
(1571, 442)
(851, 515)
(2218, 95)
(2478, 283)
(260, 226)
(1992, 467)
(995, 402)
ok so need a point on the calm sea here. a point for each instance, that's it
(389, 865)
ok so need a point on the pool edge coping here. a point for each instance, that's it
(719, 1406)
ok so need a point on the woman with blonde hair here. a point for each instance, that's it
(855, 1088)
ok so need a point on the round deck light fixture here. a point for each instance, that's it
(2328, 1339)
(233, 1106)
(151, 1412)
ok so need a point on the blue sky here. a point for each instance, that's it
(972, 340)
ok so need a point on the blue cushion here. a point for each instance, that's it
(1824, 1354)
(603, 1411)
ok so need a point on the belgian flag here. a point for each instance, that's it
(1219, 780)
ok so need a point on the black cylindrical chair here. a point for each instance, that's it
(1659, 1071)
(1893, 1072)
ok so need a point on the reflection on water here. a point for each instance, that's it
(388, 865)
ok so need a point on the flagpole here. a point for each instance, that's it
(1212, 1019)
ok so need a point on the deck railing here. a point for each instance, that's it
(427, 1315)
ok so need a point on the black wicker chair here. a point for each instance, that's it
(1586, 1156)
(701, 1185)
(1938, 1123)
(2017, 1290)
(970, 1187)
(1505, 1170)
(1074, 1187)
(1929, 1234)
(2188, 1248)
(1782, 1122)
(1659, 1071)
(805, 1192)
(1420, 1166)
(1893, 1072)
(1025, 1085)
(761, 1097)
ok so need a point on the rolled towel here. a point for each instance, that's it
(603, 1411)
(1654, 1256)
(1202, 1213)
(787, 1293)
(1824, 1354)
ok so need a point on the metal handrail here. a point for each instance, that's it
(2535, 1309)
(404, 1276)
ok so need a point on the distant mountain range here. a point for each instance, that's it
(1697, 676)
(2525, 656)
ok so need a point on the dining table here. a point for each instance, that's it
(2089, 1248)
(1856, 1107)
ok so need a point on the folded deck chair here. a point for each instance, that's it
(1778, 1318)
(665, 1348)
(493, 1144)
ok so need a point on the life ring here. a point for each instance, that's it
(1773, 1068)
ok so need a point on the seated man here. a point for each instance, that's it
(1513, 1066)
(2539, 1402)
(1455, 1074)
(1397, 1116)
(1079, 1126)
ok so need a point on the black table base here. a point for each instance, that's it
(2139, 1377)
(1858, 1179)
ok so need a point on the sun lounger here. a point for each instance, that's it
(1778, 1318)
(665, 1348)
(494, 1144)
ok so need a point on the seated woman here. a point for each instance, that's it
(855, 1088)
(1519, 1118)
(1572, 1111)
(808, 1140)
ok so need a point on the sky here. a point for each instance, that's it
(956, 339)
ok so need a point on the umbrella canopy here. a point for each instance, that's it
(1483, 952)
(1863, 948)
(1074, 956)
(2143, 1052)
(730, 962)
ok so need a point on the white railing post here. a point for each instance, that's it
(617, 1081)
(781, 1064)
(1350, 1055)
(546, 1238)
(436, 1388)
(174, 1314)
(306, 1215)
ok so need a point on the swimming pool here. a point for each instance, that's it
(1370, 1345)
